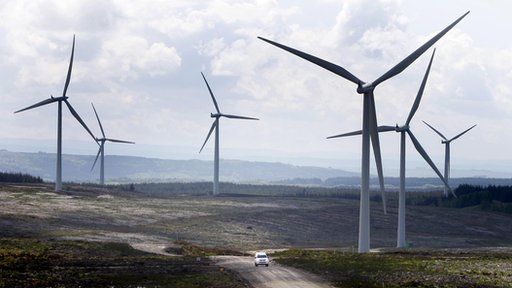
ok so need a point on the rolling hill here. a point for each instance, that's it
(77, 168)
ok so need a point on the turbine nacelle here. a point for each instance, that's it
(403, 128)
(216, 115)
(363, 88)
(62, 98)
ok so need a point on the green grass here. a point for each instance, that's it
(405, 269)
(193, 250)
(31, 263)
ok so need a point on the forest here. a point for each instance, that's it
(9, 177)
(489, 198)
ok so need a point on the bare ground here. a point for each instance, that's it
(249, 223)
(274, 276)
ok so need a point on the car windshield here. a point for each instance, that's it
(261, 256)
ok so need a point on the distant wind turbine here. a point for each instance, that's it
(63, 98)
(369, 128)
(215, 126)
(446, 143)
(101, 142)
(403, 130)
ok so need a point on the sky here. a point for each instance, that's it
(140, 63)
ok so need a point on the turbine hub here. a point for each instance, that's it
(216, 115)
(401, 128)
(61, 98)
(364, 88)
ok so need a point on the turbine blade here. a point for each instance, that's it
(68, 77)
(238, 117)
(467, 130)
(77, 117)
(338, 70)
(97, 155)
(44, 102)
(211, 93)
(386, 128)
(119, 141)
(414, 55)
(425, 156)
(416, 104)
(374, 134)
(214, 125)
(353, 133)
(99, 122)
(359, 132)
(438, 133)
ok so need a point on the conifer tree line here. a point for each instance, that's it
(11, 177)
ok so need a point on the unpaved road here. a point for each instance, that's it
(155, 248)
(274, 276)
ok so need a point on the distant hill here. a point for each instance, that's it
(124, 169)
(77, 168)
(393, 183)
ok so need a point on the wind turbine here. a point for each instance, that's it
(59, 100)
(403, 130)
(101, 142)
(215, 126)
(446, 143)
(369, 127)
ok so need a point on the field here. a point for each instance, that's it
(414, 268)
(232, 223)
(88, 213)
(58, 263)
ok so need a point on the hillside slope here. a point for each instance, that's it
(127, 168)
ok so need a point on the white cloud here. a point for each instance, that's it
(127, 56)
(159, 59)
(140, 62)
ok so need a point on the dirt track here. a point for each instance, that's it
(274, 276)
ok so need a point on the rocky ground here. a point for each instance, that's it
(251, 223)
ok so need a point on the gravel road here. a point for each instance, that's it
(274, 276)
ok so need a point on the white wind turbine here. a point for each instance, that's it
(369, 127)
(101, 142)
(403, 130)
(215, 126)
(446, 143)
(59, 100)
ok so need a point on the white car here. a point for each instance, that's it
(261, 258)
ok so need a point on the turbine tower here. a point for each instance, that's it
(403, 130)
(101, 142)
(215, 126)
(446, 143)
(59, 100)
(369, 127)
